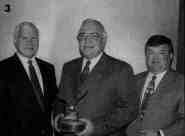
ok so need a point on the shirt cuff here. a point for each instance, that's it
(161, 132)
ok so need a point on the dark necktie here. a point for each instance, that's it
(84, 74)
(35, 83)
(149, 91)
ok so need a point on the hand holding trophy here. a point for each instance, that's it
(69, 122)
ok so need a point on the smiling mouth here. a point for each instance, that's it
(88, 47)
(29, 48)
(155, 61)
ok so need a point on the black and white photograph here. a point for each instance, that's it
(92, 68)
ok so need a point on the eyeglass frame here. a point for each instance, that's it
(89, 36)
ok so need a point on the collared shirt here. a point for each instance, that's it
(94, 61)
(24, 61)
(149, 78)
(157, 81)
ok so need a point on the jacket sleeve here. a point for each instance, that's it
(177, 127)
(6, 112)
(64, 96)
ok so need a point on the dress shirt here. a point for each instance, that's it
(159, 77)
(94, 61)
(24, 61)
(148, 79)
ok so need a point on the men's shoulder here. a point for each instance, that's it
(175, 82)
(7, 61)
(8, 66)
(44, 62)
(73, 62)
(178, 77)
(141, 75)
(115, 62)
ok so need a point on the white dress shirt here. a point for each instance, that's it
(24, 61)
(94, 61)
(159, 77)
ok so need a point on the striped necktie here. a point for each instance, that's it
(35, 83)
(149, 91)
(84, 74)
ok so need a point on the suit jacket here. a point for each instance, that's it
(108, 97)
(165, 108)
(21, 114)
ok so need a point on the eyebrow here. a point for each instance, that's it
(83, 33)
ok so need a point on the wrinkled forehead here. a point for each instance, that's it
(91, 27)
(28, 29)
(163, 48)
(159, 47)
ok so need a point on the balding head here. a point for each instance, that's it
(19, 28)
(92, 38)
(92, 25)
(26, 39)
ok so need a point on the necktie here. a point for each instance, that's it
(35, 83)
(149, 91)
(84, 74)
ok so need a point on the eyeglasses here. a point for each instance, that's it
(89, 36)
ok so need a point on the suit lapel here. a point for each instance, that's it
(140, 85)
(45, 82)
(165, 81)
(44, 76)
(20, 70)
(94, 77)
(22, 75)
(75, 75)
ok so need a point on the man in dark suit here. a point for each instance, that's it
(27, 87)
(161, 92)
(101, 87)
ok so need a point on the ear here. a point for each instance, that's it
(14, 42)
(171, 56)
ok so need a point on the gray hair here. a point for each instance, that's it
(19, 27)
(97, 23)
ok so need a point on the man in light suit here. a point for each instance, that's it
(27, 87)
(106, 99)
(161, 112)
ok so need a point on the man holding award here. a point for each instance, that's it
(96, 90)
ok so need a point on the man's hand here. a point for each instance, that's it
(56, 121)
(148, 132)
(88, 129)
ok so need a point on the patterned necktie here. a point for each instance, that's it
(149, 91)
(84, 74)
(35, 83)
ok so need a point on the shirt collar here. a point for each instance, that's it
(94, 61)
(159, 75)
(25, 59)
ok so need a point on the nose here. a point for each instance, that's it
(156, 57)
(87, 40)
(27, 39)
(30, 41)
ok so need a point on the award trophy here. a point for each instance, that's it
(69, 122)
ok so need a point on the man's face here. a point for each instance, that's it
(27, 42)
(158, 59)
(90, 40)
